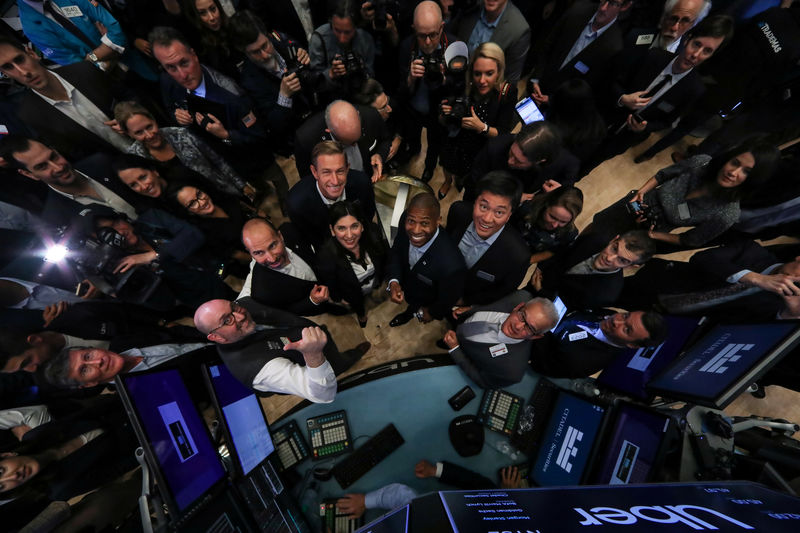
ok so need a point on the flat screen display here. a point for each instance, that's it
(633, 449)
(175, 433)
(711, 371)
(528, 111)
(243, 418)
(393, 522)
(567, 442)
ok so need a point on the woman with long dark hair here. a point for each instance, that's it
(352, 261)
(547, 223)
(211, 23)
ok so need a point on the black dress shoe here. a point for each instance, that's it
(401, 319)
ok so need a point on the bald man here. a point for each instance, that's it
(361, 130)
(269, 350)
(678, 17)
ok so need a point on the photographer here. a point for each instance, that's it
(421, 62)
(340, 51)
(381, 19)
(275, 75)
(485, 110)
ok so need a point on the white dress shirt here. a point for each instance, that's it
(317, 385)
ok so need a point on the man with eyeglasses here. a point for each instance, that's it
(494, 343)
(270, 350)
(678, 17)
(579, 46)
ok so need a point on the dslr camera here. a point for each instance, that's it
(433, 64)
(382, 8)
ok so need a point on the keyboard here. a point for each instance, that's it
(534, 417)
(290, 445)
(336, 521)
(361, 461)
(329, 434)
(500, 410)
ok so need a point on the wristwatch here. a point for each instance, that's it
(92, 57)
(485, 130)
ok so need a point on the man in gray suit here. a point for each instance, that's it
(494, 344)
(500, 22)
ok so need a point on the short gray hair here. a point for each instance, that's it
(56, 370)
(549, 310)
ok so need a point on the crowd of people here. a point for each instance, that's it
(142, 141)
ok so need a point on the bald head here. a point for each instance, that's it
(223, 321)
(264, 243)
(343, 121)
(428, 26)
(207, 315)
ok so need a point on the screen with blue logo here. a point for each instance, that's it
(567, 442)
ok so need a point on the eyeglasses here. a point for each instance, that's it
(199, 197)
(530, 331)
(680, 21)
(428, 36)
(229, 319)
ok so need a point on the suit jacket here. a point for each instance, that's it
(374, 139)
(581, 291)
(500, 269)
(633, 71)
(560, 357)
(282, 15)
(560, 41)
(437, 279)
(309, 213)
(71, 139)
(512, 34)
(476, 360)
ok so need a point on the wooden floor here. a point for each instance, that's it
(606, 184)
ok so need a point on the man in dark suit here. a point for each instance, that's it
(426, 269)
(585, 342)
(283, 15)
(70, 188)
(361, 130)
(589, 275)
(494, 252)
(291, 355)
(281, 274)
(500, 22)
(493, 345)
(579, 46)
(236, 133)
(334, 181)
(678, 17)
(48, 106)
(651, 88)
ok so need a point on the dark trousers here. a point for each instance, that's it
(414, 122)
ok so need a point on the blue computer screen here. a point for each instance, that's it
(719, 359)
(567, 442)
(393, 522)
(636, 438)
(177, 434)
(243, 416)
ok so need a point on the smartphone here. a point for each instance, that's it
(461, 398)
(528, 111)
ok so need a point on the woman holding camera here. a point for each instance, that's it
(488, 111)
(702, 192)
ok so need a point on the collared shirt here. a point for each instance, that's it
(364, 275)
(83, 111)
(281, 375)
(473, 246)
(586, 38)
(483, 30)
(40, 296)
(200, 90)
(586, 267)
(276, 66)
(328, 201)
(735, 278)
(391, 496)
(31, 416)
(415, 253)
(107, 198)
(674, 78)
(297, 268)
(491, 337)
(353, 153)
(77, 342)
(598, 334)
(152, 356)
(658, 42)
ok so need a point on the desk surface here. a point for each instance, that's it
(416, 403)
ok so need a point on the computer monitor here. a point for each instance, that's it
(392, 522)
(724, 362)
(631, 371)
(634, 448)
(246, 430)
(568, 442)
(174, 437)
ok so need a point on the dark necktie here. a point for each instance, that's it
(67, 24)
(658, 86)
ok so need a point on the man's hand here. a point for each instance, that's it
(634, 101)
(460, 310)
(473, 122)
(213, 125)
(319, 294)
(394, 148)
(550, 185)
(51, 312)
(337, 68)
(352, 504)
(290, 85)
(537, 95)
(424, 469)
(303, 57)
(510, 478)
(450, 339)
(310, 345)
(127, 263)
(635, 125)
(791, 307)
(114, 125)
(396, 292)
(183, 117)
(92, 291)
(416, 70)
(367, 11)
(143, 45)
(446, 109)
(777, 283)
(249, 191)
(100, 28)
(536, 279)
(377, 167)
